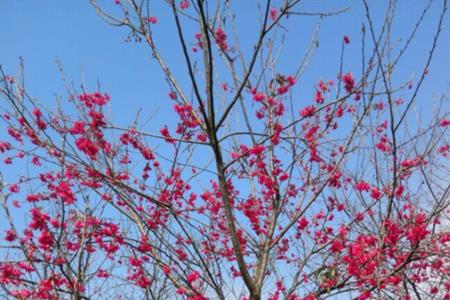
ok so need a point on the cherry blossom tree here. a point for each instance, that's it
(247, 192)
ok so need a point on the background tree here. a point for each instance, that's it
(249, 192)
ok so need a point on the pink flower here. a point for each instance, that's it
(10, 235)
(290, 80)
(14, 188)
(221, 39)
(152, 20)
(308, 111)
(346, 40)
(37, 112)
(318, 97)
(375, 193)
(224, 86)
(65, 193)
(77, 128)
(444, 122)
(192, 277)
(4, 146)
(349, 82)
(102, 274)
(337, 246)
(383, 144)
(166, 269)
(257, 149)
(35, 161)
(273, 13)
(89, 100)
(302, 223)
(258, 97)
(362, 186)
(88, 147)
(166, 134)
(184, 4)
(45, 240)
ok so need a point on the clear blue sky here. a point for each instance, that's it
(72, 32)
(42, 31)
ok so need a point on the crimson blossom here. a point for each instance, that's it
(259, 186)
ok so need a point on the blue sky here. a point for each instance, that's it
(92, 51)
(70, 31)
